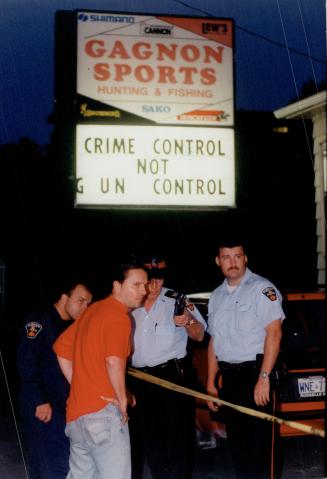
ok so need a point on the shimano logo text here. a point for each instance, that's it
(105, 18)
(82, 17)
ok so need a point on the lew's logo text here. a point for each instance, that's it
(156, 29)
(214, 28)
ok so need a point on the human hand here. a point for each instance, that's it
(122, 406)
(212, 391)
(261, 391)
(44, 412)
(184, 319)
(131, 400)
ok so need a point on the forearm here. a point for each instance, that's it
(116, 368)
(271, 347)
(212, 366)
(270, 353)
(195, 330)
(212, 390)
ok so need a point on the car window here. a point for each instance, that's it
(304, 331)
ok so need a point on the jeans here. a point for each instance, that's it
(99, 446)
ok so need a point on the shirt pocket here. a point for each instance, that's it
(246, 317)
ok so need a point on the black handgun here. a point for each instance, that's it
(180, 301)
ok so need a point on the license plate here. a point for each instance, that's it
(313, 386)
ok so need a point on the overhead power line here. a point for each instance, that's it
(257, 35)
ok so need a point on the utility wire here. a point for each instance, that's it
(262, 37)
(307, 44)
(282, 45)
(295, 86)
(288, 50)
(13, 413)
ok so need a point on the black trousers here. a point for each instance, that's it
(162, 425)
(47, 446)
(251, 439)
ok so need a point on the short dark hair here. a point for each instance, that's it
(68, 284)
(231, 242)
(121, 271)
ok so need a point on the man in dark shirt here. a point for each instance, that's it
(44, 390)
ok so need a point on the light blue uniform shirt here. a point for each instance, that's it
(237, 319)
(156, 338)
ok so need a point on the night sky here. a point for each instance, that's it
(280, 44)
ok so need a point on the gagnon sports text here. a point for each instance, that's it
(191, 63)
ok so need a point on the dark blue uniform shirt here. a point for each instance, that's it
(40, 375)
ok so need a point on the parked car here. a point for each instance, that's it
(302, 385)
(303, 388)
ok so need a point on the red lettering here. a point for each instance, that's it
(101, 71)
(166, 50)
(190, 53)
(188, 74)
(92, 51)
(118, 51)
(142, 50)
(209, 53)
(163, 74)
(166, 75)
(122, 70)
(208, 76)
(144, 73)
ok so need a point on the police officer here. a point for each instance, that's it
(163, 422)
(244, 321)
(44, 390)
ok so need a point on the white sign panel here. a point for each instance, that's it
(169, 70)
(154, 165)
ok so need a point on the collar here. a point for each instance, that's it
(246, 276)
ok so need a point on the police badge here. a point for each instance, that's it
(32, 329)
(270, 293)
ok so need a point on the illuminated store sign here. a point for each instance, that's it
(141, 165)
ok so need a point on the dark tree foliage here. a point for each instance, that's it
(310, 87)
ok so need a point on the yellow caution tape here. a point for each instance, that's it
(251, 412)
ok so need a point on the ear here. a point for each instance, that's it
(116, 287)
(217, 261)
(246, 259)
(63, 298)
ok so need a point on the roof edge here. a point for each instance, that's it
(306, 107)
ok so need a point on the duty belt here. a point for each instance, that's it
(175, 362)
(235, 367)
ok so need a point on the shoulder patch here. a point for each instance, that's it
(32, 329)
(270, 292)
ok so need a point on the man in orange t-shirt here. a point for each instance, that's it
(92, 354)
